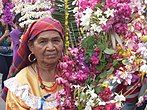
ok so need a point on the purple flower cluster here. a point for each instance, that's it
(94, 61)
(83, 4)
(95, 57)
(114, 3)
(74, 72)
(8, 14)
(74, 68)
(122, 16)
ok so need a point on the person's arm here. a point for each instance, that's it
(4, 49)
(14, 103)
(4, 36)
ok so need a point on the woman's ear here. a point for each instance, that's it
(30, 45)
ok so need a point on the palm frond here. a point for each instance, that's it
(59, 14)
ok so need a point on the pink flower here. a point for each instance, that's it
(144, 31)
(111, 3)
(110, 106)
(60, 80)
(93, 3)
(97, 50)
(120, 28)
(83, 4)
(124, 1)
(101, 107)
(73, 51)
(105, 94)
(123, 11)
(138, 26)
(94, 60)
(95, 57)
(63, 65)
(5, 1)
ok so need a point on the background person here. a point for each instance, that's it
(16, 33)
(5, 51)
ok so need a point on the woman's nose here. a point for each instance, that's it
(50, 46)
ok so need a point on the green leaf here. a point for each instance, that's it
(59, 14)
(109, 51)
(89, 81)
(98, 89)
(102, 75)
(106, 73)
(102, 46)
(88, 42)
(125, 62)
(115, 62)
(101, 66)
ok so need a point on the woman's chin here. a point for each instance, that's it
(51, 61)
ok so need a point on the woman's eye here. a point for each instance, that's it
(56, 40)
(42, 41)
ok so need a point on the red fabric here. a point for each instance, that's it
(125, 89)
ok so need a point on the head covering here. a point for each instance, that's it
(21, 57)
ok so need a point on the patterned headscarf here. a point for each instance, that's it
(21, 57)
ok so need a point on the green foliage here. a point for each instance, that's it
(59, 14)
(115, 62)
(106, 73)
(88, 43)
(101, 66)
(109, 51)
(98, 89)
(125, 62)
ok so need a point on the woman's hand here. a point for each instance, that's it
(4, 36)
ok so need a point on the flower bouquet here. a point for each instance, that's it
(111, 54)
(84, 87)
(8, 13)
(32, 10)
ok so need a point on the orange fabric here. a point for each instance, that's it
(27, 77)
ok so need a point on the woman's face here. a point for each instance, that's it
(47, 47)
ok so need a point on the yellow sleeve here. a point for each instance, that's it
(14, 103)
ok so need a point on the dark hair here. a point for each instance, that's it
(16, 19)
(2, 28)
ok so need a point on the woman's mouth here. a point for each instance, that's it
(51, 55)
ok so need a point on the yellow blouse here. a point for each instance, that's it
(24, 92)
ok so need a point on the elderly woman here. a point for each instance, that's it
(34, 87)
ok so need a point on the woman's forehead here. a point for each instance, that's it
(49, 34)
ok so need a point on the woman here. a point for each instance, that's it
(34, 86)
(5, 51)
(16, 33)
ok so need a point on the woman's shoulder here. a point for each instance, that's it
(18, 83)
(21, 78)
(24, 73)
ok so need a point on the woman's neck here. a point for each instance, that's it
(47, 73)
